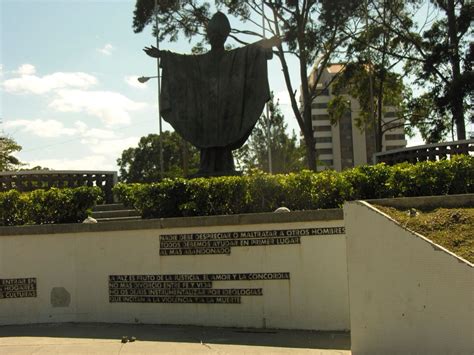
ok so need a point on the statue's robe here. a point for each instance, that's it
(215, 99)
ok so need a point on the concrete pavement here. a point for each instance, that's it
(93, 338)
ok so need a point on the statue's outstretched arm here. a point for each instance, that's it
(152, 51)
(270, 42)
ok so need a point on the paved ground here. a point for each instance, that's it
(156, 339)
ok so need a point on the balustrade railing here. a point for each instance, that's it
(426, 152)
(46, 179)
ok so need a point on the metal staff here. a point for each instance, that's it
(159, 90)
(270, 165)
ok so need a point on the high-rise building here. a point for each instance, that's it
(344, 145)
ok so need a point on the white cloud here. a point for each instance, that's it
(111, 107)
(93, 133)
(42, 128)
(29, 83)
(101, 141)
(132, 80)
(88, 162)
(100, 147)
(113, 147)
(107, 49)
(26, 69)
(53, 129)
(1, 70)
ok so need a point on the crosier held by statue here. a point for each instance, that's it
(214, 100)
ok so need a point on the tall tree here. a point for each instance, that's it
(311, 30)
(440, 58)
(142, 163)
(389, 91)
(7, 147)
(270, 132)
(369, 74)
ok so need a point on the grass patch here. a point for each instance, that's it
(452, 228)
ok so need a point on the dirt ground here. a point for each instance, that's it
(452, 228)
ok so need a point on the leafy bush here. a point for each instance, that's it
(369, 181)
(260, 192)
(160, 199)
(47, 206)
(265, 192)
(13, 208)
(462, 181)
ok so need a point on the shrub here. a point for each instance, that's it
(369, 181)
(160, 199)
(330, 189)
(13, 208)
(265, 192)
(462, 181)
(260, 192)
(47, 206)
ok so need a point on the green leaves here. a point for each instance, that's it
(261, 192)
(46, 207)
(142, 163)
(286, 153)
(7, 160)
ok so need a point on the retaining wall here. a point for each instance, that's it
(285, 270)
(407, 294)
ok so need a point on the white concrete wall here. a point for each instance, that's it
(315, 296)
(407, 295)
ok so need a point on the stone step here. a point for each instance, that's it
(117, 219)
(115, 213)
(109, 207)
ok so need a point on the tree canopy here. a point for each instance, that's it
(382, 36)
(142, 163)
(438, 55)
(7, 147)
(286, 153)
(311, 30)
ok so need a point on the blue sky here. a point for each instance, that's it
(69, 94)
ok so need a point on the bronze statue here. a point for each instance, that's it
(214, 100)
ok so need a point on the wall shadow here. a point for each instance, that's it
(338, 340)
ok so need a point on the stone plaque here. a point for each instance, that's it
(222, 242)
(184, 288)
(18, 288)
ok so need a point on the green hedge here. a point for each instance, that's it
(47, 206)
(260, 192)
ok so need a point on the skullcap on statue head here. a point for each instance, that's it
(219, 23)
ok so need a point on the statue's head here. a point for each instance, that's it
(218, 30)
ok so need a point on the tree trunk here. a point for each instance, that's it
(457, 107)
(458, 117)
(379, 116)
(310, 141)
(310, 150)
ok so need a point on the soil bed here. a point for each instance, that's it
(452, 228)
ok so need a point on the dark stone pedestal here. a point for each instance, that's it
(216, 161)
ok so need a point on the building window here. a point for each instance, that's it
(390, 114)
(319, 105)
(394, 137)
(322, 92)
(322, 128)
(323, 151)
(395, 147)
(324, 139)
(327, 162)
(320, 117)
